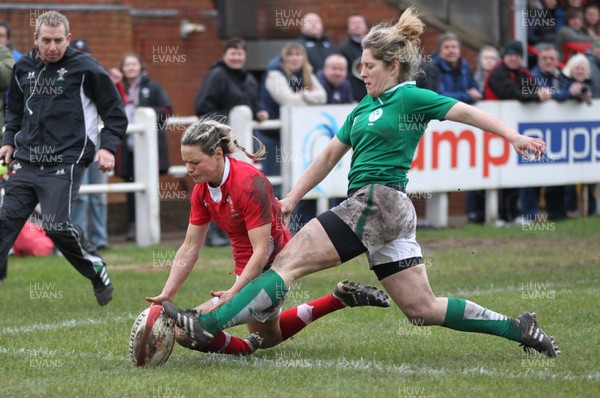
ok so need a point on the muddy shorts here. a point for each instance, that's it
(380, 221)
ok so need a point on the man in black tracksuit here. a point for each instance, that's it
(56, 97)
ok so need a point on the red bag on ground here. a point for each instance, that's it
(32, 241)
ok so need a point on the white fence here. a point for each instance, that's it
(450, 157)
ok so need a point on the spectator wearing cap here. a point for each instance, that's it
(90, 211)
(511, 81)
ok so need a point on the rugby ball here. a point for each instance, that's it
(152, 337)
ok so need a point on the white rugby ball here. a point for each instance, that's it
(152, 337)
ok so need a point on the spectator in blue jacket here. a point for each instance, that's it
(455, 79)
(547, 74)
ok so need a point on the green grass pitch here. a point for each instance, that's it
(55, 341)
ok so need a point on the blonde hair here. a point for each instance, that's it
(398, 41)
(212, 132)
(575, 60)
(307, 69)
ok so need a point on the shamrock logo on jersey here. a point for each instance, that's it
(376, 114)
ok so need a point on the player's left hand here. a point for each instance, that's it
(105, 159)
(529, 147)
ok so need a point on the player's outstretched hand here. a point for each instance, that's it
(529, 147)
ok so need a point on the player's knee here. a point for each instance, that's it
(419, 315)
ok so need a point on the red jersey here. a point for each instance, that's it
(246, 202)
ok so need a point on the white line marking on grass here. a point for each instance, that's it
(68, 324)
(340, 363)
(402, 369)
(60, 353)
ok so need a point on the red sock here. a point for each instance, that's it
(295, 319)
(225, 343)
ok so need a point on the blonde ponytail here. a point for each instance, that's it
(400, 42)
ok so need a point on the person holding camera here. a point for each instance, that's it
(576, 78)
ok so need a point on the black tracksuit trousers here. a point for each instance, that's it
(55, 187)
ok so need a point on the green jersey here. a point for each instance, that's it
(384, 133)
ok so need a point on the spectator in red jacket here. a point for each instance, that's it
(510, 80)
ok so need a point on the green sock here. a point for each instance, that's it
(467, 316)
(264, 291)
